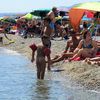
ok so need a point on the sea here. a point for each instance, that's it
(18, 81)
(11, 14)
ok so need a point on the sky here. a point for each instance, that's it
(13, 6)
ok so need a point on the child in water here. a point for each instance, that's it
(42, 52)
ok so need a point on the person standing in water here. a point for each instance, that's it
(42, 52)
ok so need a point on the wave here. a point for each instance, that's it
(7, 51)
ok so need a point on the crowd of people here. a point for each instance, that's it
(80, 44)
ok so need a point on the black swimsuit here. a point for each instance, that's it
(89, 46)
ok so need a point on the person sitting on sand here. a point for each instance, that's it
(73, 42)
(42, 52)
(61, 30)
(71, 46)
(31, 27)
(87, 48)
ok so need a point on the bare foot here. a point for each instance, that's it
(87, 59)
(69, 59)
(89, 62)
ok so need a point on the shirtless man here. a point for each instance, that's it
(42, 52)
(52, 14)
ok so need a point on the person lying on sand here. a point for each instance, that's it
(93, 61)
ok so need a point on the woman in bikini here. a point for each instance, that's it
(87, 47)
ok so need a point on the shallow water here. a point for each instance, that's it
(18, 82)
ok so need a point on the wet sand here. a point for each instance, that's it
(80, 72)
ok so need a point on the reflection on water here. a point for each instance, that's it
(42, 90)
(57, 90)
(18, 82)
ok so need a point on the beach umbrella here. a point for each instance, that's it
(94, 6)
(35, 17)
(9, 20)
(77, 12)
(28, 16)
(1, 18)
(89, 14)
(40, 12)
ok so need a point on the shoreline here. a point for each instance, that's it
(84, 74)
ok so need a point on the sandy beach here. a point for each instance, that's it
(80, 72)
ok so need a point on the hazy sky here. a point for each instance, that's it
(29, 5)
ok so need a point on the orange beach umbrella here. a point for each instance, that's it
(77, 12)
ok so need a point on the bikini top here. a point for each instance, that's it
(89, 46)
